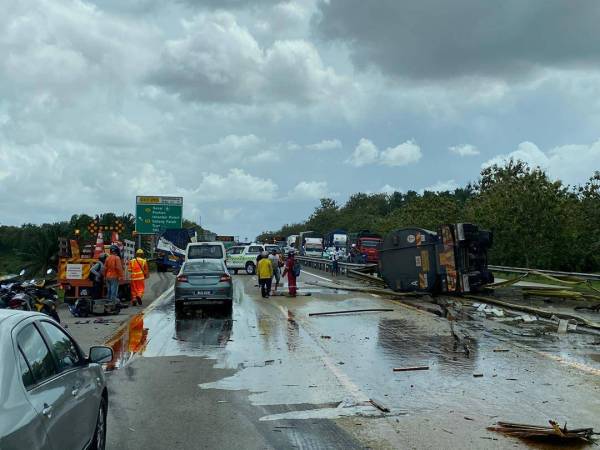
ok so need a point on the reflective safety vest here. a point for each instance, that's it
(138, 269)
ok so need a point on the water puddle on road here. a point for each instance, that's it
(284, 357)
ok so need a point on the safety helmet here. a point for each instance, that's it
(139, 252)
(103, 257)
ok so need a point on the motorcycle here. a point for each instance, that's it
(31, 295)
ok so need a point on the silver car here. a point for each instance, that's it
(51, 395)
(203, 282)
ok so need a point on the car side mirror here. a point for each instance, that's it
(100, 354)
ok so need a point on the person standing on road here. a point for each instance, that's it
(113, 272)
(275, 262)
(335, 265)
(264, 272)
(290, 270)
(138, 271)
(96, 276)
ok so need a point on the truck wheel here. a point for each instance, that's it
(235, 271)
(250, 268)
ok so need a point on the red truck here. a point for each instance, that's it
(362, 247)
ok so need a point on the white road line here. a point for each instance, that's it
(316, 276)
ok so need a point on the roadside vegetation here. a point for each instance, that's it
(537, 222)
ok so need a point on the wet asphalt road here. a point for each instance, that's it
(270, 376)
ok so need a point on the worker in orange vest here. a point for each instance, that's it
(138, 272)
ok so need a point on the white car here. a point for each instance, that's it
(243, 257)
(205, 250)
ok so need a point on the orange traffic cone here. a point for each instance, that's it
(99, 249)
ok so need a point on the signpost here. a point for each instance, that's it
(155, 214)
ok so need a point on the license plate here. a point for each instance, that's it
(203, 292)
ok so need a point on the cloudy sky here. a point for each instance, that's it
(253, 110)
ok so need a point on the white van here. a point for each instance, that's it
(205, 250)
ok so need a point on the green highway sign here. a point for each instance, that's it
(156, 214)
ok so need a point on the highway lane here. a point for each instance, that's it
(270, 376)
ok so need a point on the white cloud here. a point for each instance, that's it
(219, 60)
(441, 186)
(310, 190)
(572, 163)
(367, 153)
(401, 155)
(326, 144)
(388, 189)
(464, 150)
(236, 185)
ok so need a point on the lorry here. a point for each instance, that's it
(452, 260)
(335, 238)
(363, 246)
(301, 241)
(169, 251)
(313, 246)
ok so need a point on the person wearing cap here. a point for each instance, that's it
(138, 272)
(289, 270)
(264, 271)
(96, 276)
(113, 272)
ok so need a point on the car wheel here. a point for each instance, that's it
(228, 308)
(99, 440)
(250, 269)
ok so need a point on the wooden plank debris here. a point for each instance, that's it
(350, 311)
(408, 369)
(553, 432)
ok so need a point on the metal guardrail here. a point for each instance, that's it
(325, 265)
(556, 273)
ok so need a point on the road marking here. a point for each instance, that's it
(316, 276)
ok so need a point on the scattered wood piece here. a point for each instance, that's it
(477, 375)
(408, 369)
(468, 418)
(380, 406)
(325, 337)
(553, 432)
(501, 350)
(350, 311)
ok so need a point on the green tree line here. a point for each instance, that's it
(537, 222)
(35, 247)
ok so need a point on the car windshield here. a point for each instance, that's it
(203, 266)
(205, 251)
(368, 243)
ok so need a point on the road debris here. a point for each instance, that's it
(562, 326)
(477, 375)
(325, 337)
(501, 350)
(350, 311)
(553, 432)
(379, 405)
(408, 369)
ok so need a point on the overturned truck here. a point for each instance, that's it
(453, 260)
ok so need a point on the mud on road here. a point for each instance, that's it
(270, 376)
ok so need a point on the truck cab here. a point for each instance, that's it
(243, 257)
(364, 245)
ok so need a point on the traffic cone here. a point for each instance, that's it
(99, 249)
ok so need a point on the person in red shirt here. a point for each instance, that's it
(289, 270)
(113, 273)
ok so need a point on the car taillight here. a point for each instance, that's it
(225, 278)
(182, 278)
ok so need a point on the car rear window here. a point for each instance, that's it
(203, 266)
(205, 251)
(37, 355)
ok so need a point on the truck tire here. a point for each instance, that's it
(235, 271)
(250, 268)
